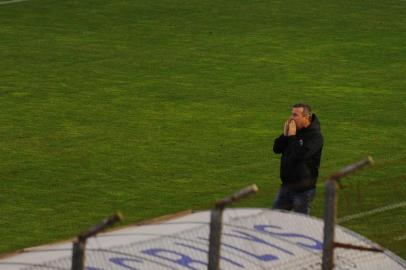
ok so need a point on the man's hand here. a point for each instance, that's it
(286, 128)
(292, 128)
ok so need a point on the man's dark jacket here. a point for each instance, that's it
(301, 156)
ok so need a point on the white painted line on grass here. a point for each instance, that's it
(371, 212)
(11, 2)
(400, 238)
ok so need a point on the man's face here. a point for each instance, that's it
(297, 116)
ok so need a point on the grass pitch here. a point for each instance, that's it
(156, 107)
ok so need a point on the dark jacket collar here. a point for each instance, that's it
(314, 125)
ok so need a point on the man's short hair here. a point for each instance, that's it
(307, 110)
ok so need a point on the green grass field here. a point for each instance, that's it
(153, 107)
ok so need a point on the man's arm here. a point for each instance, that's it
(280, 144)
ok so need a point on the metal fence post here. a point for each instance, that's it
(78, 255)
(216, 225)
(215, 238)
(330, 211)
(79, 245)
(330, 215)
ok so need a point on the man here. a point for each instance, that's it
(301, 145)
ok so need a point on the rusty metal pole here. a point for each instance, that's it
(330, 210)
(79, 245)
(330, 215)
(78, 255)
(216, 225)
(215, 238)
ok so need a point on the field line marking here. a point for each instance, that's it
(12, 1)
(371, 212)
(400, 238)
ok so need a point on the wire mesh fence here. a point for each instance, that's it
(376, 208)
(251, 239)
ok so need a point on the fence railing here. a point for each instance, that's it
(215, 229)
(330, 214)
